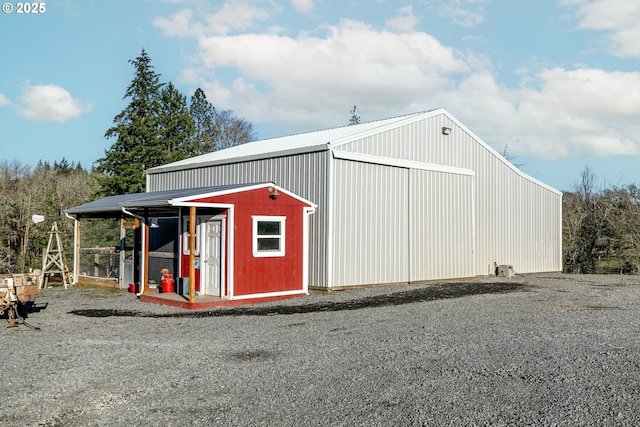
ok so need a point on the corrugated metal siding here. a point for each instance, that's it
(518, 221)
(441, 225)
(371, 215)
(303, 174)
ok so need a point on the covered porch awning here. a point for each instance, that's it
(156, 200)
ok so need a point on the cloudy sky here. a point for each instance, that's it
(556, 82)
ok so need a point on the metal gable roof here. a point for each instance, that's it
(303, 142)
(115, 204)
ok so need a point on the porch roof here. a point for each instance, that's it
(153, 199)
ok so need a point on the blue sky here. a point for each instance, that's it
(555, 81)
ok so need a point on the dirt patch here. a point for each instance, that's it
(251, 355)
(426, 293)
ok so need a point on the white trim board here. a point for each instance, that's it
(401, 163)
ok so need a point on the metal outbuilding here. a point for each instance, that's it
(411, 198)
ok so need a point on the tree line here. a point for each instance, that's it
(42, 190)
(601, 228)
(600, 225)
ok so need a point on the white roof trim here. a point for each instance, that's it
(401, 121)
(285, 145)
(496, 154)
(401, 163)
(185, 201)
(190, 163)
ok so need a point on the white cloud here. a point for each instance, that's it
(618, 17)
(573, 112)
(405, 21)
(235, 15)
(50, 103)
(303, 6)
(4, 101)
(178, 25)
(351, 63)
(462, 12)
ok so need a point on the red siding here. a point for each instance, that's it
(269, 274)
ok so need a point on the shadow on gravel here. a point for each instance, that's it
(427, 293)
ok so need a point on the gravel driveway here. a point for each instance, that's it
(545, 349)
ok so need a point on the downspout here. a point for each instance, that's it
(308, 211)
(76, 245)
(143, 260)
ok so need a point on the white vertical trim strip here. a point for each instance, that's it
(306, 216)
(473, 223)
(230, 251)
(180, 243)
(76, 245)
(330, 215)
(410, 227)
(143, 273)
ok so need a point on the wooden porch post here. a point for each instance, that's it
(192, 254)
(145, 256)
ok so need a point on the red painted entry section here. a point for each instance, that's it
(265, 243)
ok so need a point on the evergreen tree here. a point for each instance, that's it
(355, 119)
(203, 114)
(63, 166)
(138, 132)
(177, 126)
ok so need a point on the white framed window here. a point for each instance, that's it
(186, 235)
(269, 236)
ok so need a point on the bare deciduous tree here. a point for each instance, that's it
(24, 192)
(601, 228)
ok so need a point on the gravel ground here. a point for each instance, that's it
(547, 349)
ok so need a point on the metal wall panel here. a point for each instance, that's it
(303, 174)
(518, 220)
(442, 223)
(370, 241)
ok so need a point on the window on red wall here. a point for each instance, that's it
(185, 237)
(269, 236)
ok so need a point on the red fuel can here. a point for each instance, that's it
(167, 283)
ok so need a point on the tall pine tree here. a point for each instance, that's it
(137, 131)
(154, 129)
(203, 114)
(177, 126)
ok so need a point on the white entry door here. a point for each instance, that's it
(212, 257)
